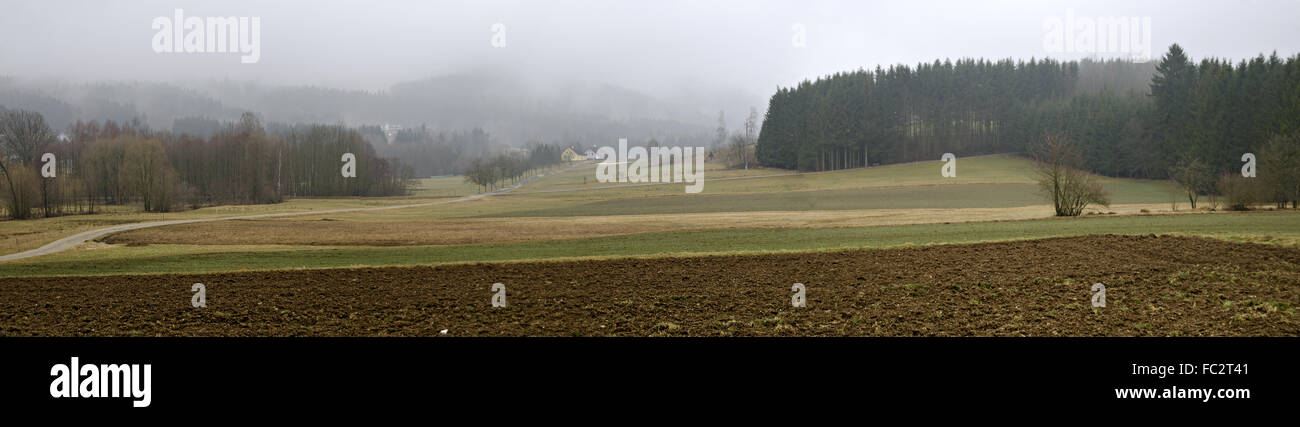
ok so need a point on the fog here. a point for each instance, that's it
(692, 58)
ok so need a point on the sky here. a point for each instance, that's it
(655, 46)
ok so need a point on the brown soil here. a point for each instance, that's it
(1163, 286)
(344, 230)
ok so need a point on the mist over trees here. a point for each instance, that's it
(1140, 120)
(511, 110)
(433, 154)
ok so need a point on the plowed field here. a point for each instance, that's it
(1160, 286)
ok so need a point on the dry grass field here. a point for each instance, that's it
(993, 199)
(334, 230)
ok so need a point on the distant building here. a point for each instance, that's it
(571, 156)
(591, 155)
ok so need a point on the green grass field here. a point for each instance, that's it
(931, 196)
(1279, 227)
(982, 182)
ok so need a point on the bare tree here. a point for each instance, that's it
(720, 138)
(737, 148)
(1058, 165)
(22, 134)
(147, 172)
(751, 134)
(1194, 176)
(738, 145)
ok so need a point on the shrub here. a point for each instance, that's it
(1239, 193)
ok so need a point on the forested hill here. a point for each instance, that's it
(1130, 119)
(510, 106)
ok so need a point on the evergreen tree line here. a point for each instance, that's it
(903, 114)
(112, 163)
(1206, 115)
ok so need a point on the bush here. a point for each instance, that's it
(1239, 193)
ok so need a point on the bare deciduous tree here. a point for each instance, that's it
(1194, 176)
(740, 143)
(1062, 178)
(736, 146)
(720, 137)
(751, 135)
(22, 134)
(147, 172)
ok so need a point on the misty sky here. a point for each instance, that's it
(653, 46)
